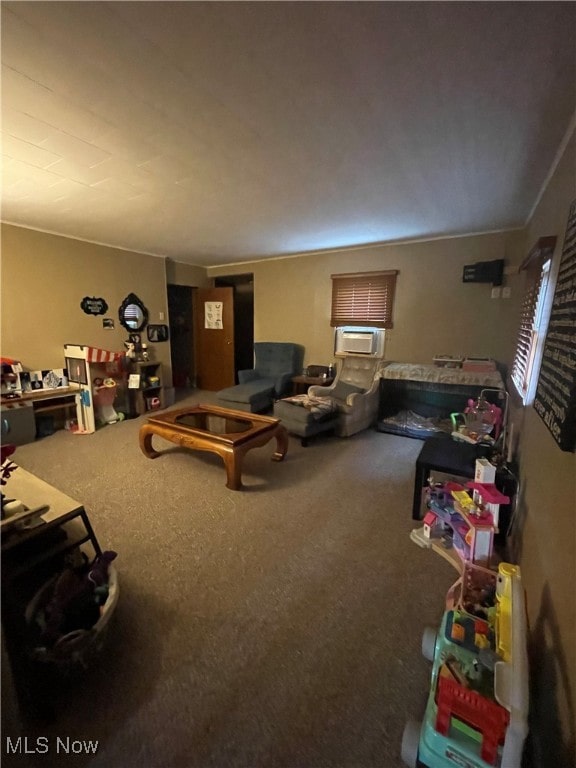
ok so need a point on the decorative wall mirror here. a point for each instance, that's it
(132, 314)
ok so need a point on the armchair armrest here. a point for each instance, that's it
(317, 390)
(363, 399)
(282, 383)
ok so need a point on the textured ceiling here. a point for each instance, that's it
(221, 132)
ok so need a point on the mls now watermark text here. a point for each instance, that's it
(41, 745)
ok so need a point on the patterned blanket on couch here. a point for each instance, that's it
(318, 406)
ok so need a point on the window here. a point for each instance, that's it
(363, 298)
(533, 318)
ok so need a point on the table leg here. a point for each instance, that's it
(419, 483)
(233, 459)
(281, 435)
(233, 466)
(90, 530)
(145, 440)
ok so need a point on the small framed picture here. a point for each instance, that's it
(157, 332)
(108, 323)
(76, 370)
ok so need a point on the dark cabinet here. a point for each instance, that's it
(146, 391)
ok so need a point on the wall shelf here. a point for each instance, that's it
(143, 397)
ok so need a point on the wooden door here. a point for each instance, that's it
(214, 322)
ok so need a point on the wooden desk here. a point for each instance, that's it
(30, 556)
(46, 399)
(29, 406)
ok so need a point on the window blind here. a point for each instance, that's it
(363, 298)
(527, 333)
(536, 267)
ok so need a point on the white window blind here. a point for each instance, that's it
(363, 298)
(532, 316)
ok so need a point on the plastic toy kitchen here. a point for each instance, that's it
(477, 708)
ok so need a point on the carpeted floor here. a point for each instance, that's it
(278, 626)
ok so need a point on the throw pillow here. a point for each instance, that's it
(343, 389)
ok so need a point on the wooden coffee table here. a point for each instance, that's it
(230, 434)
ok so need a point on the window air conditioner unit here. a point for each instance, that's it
(359, 341)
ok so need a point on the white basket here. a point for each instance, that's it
(82, 645)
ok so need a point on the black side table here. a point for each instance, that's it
(443, 454)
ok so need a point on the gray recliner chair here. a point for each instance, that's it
(275, 363)
(356, 392)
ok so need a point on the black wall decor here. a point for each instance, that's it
(555, 400)
(93, 306)
(132, 313)
(484, 272)
(157, 332)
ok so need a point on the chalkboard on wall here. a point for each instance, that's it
(555, 400)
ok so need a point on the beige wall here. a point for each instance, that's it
(44, 279)
(434, 312)
(186, 274)
(546, 540)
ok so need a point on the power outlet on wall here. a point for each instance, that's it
(506, 293)
(495, 293)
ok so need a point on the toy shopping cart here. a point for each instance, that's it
(477, 708)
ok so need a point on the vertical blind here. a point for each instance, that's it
(363, 298)
(536, 269)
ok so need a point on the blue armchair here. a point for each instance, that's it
(275, 363)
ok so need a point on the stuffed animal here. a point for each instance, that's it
(76, 599)
(98, 573)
